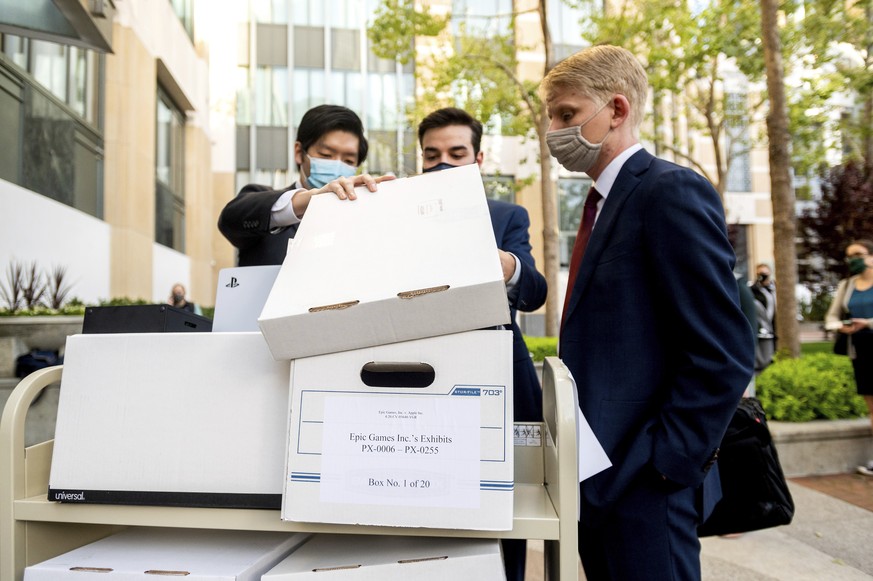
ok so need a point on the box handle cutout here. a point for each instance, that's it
(91, 569)
(422, 291)
(389, 374)
(167, 573)
(335, 307)
(405, 561)
(341, 567)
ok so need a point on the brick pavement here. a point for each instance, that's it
(856, 489)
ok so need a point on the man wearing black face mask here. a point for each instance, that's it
(330, 146)
(450, 138)
(765, 303)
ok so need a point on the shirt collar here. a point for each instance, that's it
(607, 178)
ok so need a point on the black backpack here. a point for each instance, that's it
(755, 494)
(35, 360)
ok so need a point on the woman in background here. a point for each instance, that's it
(851, 313)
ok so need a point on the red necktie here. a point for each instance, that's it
(589, 214)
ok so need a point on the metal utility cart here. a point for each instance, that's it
(32, 529)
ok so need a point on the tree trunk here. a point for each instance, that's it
(552, 265)
(867, 125)
(552, 261)
(782, 194)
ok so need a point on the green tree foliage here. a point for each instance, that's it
(703, 52)
(842, 31)
(396, 25)
(844, 212)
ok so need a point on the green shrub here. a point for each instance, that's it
(816, 386)
(542, 347)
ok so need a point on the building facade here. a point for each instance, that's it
(108, 164)
(120, 162)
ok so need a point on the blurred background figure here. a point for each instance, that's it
(764, 291)
(178, 300)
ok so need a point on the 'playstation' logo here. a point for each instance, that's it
(232, 283)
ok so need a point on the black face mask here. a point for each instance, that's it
(440, 167)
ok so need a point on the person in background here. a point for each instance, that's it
(851, 313)
(178, 300)
(749, 306)
(652, 330)
(764, 291)
(330, 146)
(450, 138)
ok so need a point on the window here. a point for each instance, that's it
(565, 26)
(271, 96)
(308, 91)
(184, 9)
(739, 178)
(49, 67)
(271, 11)
(50, 121)
(16, 47)
(71, 74)
(347, 13)
(499, 187)
(170, 175)
(571, 197)
(482, 17)
(308, 12)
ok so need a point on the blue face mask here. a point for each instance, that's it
(323, 171)
(440, 167)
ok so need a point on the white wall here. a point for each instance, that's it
(169, 267)
(36, 228)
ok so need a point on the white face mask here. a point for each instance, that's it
(571, 149)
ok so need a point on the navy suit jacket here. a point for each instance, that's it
(511, 223)
(654, 335)
(245, 222)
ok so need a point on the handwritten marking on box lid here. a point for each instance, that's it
(430, 207)
(167, 573)
(92, 569)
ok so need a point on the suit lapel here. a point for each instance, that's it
(626, 183)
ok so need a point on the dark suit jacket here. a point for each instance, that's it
(245, 222)
(654, 334)
(511, 224)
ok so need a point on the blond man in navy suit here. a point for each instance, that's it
(652, 329)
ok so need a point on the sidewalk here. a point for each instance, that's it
(829, 540)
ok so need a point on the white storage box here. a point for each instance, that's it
(185, 419)
(386, 558)
(415, 259)
(374, 443)
(153, 553)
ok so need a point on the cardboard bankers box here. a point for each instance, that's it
(154, 553)
(190, 419)
(414, 434)
(415, 259)
(387, 558)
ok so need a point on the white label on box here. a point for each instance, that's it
(421, 450)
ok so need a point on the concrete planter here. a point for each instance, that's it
(21, 334)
